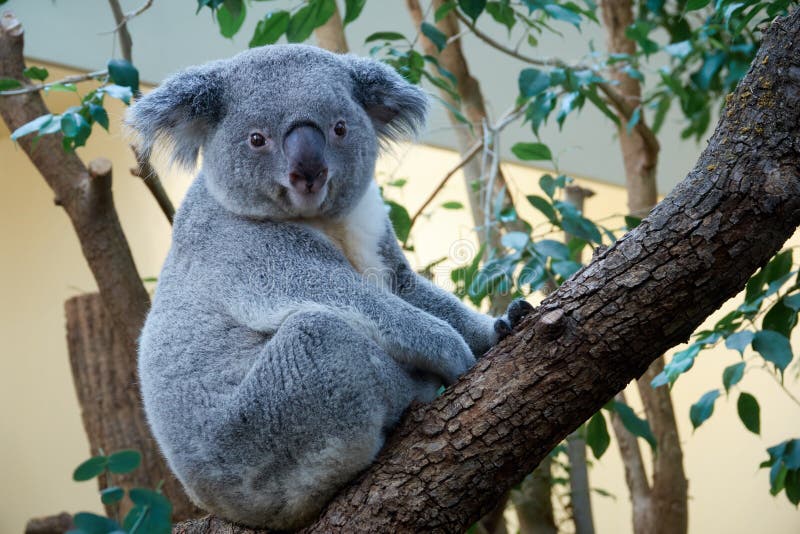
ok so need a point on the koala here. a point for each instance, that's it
(288, 333)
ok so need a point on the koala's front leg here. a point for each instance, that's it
(516, 311)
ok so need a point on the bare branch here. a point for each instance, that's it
(148, 174)
(330, 35)
(125, 41)
(631, 453)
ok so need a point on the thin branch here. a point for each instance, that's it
(69, 79)
(150, 178)
(125, 41)
(464, 160)
(632, 459)
(614, 97)
(132, 15)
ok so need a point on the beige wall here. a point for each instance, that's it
(41, 437)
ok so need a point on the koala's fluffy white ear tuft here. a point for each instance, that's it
(396, 107)
(181, 112)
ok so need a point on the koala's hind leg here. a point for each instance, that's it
(311, 414)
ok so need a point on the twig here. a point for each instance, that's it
(125, 41)
(150, 178)
(131, 15)
(69, 79)
(464, 160)
(614, 97)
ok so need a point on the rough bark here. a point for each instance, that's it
(331, 34)
(108, 394)
(85, 194)
(663, 508)
(449, 461)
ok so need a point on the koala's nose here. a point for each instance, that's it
(304, 147)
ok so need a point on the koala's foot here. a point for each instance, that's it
(504, 325)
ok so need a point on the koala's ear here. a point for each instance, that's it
(181, 112)
(396, 107)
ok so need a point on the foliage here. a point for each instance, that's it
(151, 511)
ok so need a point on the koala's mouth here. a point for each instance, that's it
(307, 203)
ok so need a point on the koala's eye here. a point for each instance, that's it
(257, 140)
(340, 129)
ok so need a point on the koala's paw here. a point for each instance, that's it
(457, 356)
(504, 325)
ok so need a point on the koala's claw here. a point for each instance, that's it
(517, 310)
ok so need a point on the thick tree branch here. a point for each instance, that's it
(451, 460)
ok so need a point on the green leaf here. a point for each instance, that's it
(124, 461)
(531, 151)
(453, 205)
(561, 13)
(701, 410)
(36, 73)
(111, 495)
(632, 222)
(90, 468)
(433, 33)
(230, 17)
(401, 221)
(550, 248)
(75, 128)
(739, 341)
(515, 240)
(443, 10)
(634, 120)
(780, 318)
(99, 114)
(749, 412)
(691, 5)
(62, 87)
(302, 24)
(532, 82)
(732, 375)
(472, 8)
(352, 9)
(502, 13)
(635, 425)
(123, 73)
(89, 523)
(773, 347)
(117, 91)
(32, 126)
(151, 512)
(580, 226)
(597, 435)
(385, 36)
(270, 28)
(9, 83)
(324, 9)
(543, 206)
(565, 269)
(548, 184)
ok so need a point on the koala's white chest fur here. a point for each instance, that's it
(358, 235)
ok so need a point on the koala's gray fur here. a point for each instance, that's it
(287, 336)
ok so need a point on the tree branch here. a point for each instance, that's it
(125, 41)
(449, 461)
(615, 99)
(147, 173)
(635, 477)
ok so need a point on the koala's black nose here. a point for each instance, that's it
(304, 147)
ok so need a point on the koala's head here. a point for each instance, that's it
(286, 131)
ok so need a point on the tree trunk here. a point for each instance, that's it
(331, 34)
(85, 194)
(108, 393)
(664, 507)
(449, 461)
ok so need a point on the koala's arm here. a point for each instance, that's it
(477, 329)
(407, 333)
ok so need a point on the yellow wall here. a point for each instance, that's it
(41, 437)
